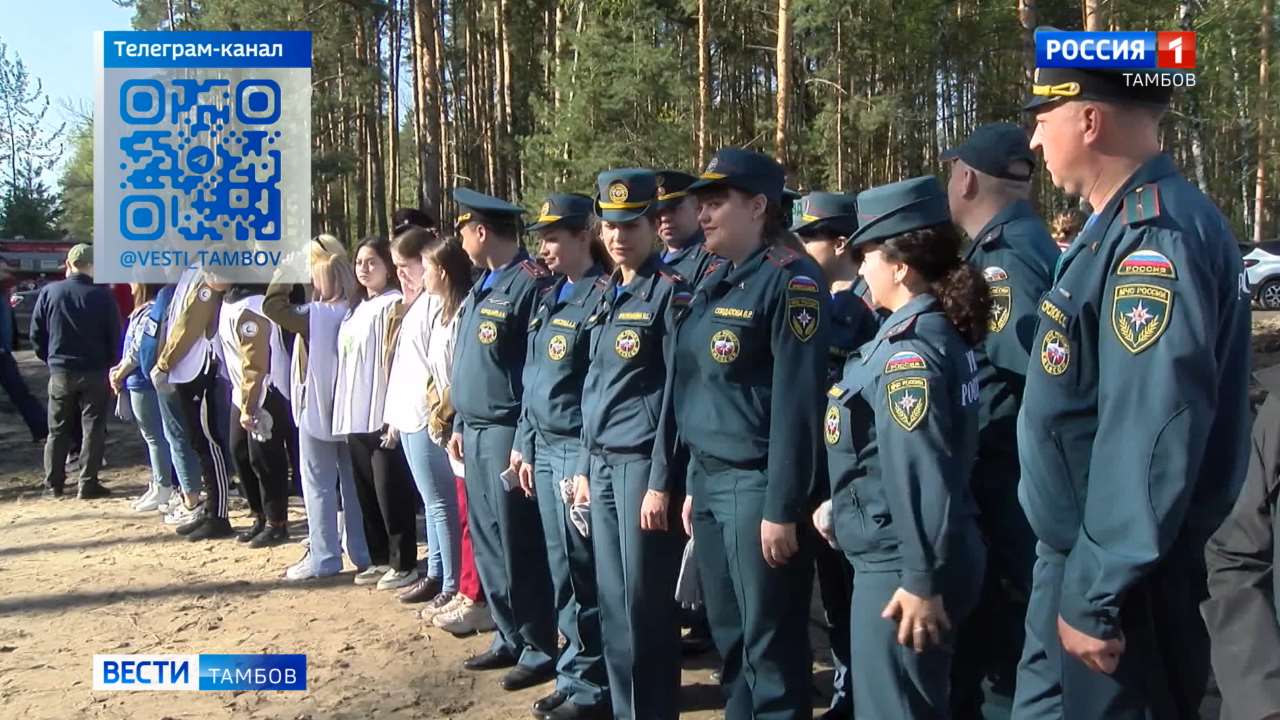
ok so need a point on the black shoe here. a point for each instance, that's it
(490, 660)
(573, 711)
(193, 524)
(695, 643)
(521, 677)
(425, 590)
(270, 536)
(92, 491)
(54, 493)
(542, 706)
(212, 529)
(259, 524)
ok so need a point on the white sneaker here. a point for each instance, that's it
(442, 603)
(372, 574)
(144, 498)
(181, 514)
(397, 579)
(466, 618)
(161, 495)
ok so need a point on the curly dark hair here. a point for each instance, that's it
(934, 253)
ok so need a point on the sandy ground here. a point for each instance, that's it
(79, 578)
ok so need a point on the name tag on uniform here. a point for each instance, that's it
(490, 312)
(566, 324)
(735, 313)
(635, 316)
(1053, 312)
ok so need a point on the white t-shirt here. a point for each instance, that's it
(362, 373)
(312, 394)
(441, 338)
(406, 406)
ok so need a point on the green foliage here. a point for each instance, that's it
(28, 209)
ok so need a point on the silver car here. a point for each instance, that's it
(1262, 269)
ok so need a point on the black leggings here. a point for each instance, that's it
(264, 466)
(387, 501)
(199, 406)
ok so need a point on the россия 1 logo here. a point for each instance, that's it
(1155, 58)
(202, 155)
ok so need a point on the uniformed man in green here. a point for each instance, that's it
(988, 187)
(1133, 433)
(682, 239)
(489, 359)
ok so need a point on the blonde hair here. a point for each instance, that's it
(323, 246)
(334, 279)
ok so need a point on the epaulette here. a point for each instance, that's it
(902, 330)
(781, 256)
(534, 270)
(671, 276)
(1142, 204)
(992, 235)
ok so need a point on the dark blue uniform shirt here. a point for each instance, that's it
(75, 325)
(1133, 433)
(901, 430)
(558, 355)
(492, 344)
(750, 366)
(627, 387)
(691, 260)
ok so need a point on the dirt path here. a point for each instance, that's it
(78, 578)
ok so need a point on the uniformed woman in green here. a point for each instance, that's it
(901, 431)
(749, 366)
(634, 510)
(549, 443)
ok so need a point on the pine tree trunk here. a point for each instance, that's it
(427, 110)
(392, 168)
(704, 82)
(784, 80)
(1264, 135)
(1094, 15)
(1195, 125)
(1027, 20)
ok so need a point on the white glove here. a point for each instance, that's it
(262, 426)
(580, 516)
(566, 490)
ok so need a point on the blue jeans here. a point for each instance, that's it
(177, 435)
(326, 472)
(434, 478)
(146, 412)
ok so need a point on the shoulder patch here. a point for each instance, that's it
(682, 298)
(995, 273)
(802, 317)
(1148, 263)
(249, 329)
(908, 401)
(1140, 314)
(534, 270)
(802, 283)
(1055, 353)
(904, 360)
(1142, 204)
(204, 294)
(1001, 307)
(1053, 312)
(781, 256)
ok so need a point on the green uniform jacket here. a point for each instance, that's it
(750, 364)
(1133, 433)
(901, 431)
(492, 344)
(627, 388)
(1016, 256)
(691, 260)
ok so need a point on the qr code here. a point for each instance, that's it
(201, 158)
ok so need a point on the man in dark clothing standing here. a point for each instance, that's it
(75, 328)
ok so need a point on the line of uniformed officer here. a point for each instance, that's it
(1123, 367)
